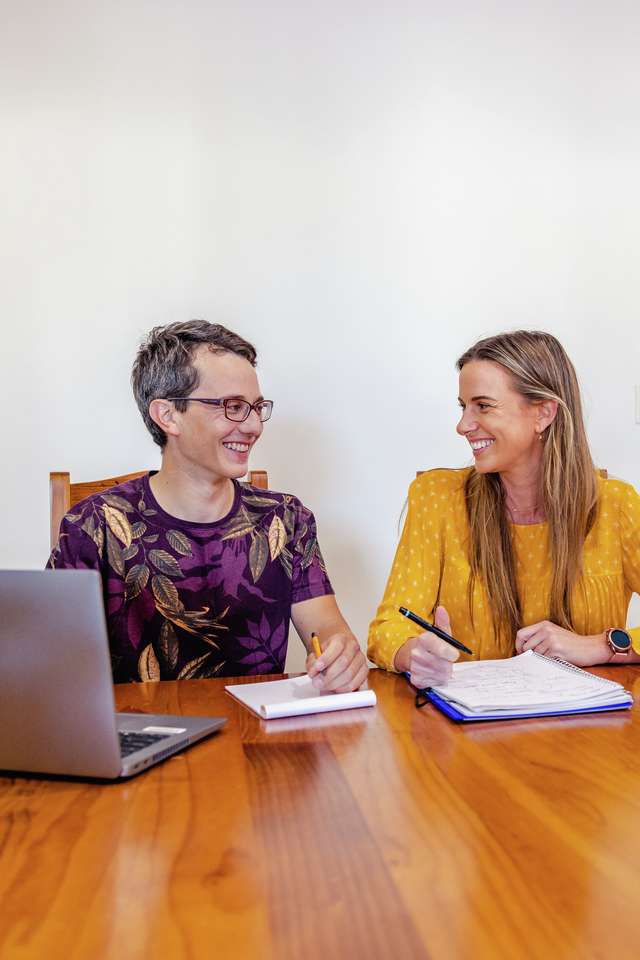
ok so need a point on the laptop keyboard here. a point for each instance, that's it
(130, 742)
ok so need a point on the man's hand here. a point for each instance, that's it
(342, 666)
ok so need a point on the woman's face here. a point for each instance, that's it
(503, 429)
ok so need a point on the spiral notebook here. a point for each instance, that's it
(529, 685)
(294, 697)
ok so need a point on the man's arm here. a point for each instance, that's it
(343, 666)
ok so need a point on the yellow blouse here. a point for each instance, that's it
(433, 543)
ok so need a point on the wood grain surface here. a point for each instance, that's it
(387, 832)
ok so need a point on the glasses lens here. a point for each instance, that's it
(236, 409)
(264, 409)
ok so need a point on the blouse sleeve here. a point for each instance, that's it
(630, 536)
(413, 581)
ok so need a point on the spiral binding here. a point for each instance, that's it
(565, 665)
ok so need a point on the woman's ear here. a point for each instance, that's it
(163, 415)
(546, 414)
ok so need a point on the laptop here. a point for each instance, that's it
(57, 713)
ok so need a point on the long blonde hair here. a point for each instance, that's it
(540, 370)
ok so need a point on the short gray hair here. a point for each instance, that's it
(164, 363)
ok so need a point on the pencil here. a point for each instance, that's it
(315, 643)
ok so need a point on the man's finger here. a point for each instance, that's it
(344, 655)
(334, 647)
(350, 680)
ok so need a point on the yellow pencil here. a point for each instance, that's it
(315, 643)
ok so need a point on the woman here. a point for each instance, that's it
(529, 549)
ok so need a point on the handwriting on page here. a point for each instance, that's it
(523, 681)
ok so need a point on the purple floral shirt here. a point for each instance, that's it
(187, 600)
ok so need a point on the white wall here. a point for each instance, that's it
(362, 189)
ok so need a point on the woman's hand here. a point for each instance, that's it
(554, 641)
(428, 659)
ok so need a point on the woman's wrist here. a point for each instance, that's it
(402, 658)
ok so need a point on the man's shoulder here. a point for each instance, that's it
(268, 500)
(128, 497)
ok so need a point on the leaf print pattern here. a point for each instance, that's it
(118, 502)
(195, 601)
(258, 554)
(148, 666)
(164, 562)
(165, 593)
(136, 580)
(114, 553)
(179, 542)
(277, 537)
(168, 645)
(197, 668)
(118, 524)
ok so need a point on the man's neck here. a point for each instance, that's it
(187, 493)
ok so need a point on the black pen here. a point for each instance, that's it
(433, 629)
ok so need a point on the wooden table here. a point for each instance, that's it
(387, 832)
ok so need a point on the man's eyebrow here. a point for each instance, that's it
(240, 396)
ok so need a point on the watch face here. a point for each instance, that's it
(620, 639)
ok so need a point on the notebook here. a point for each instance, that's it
(295, 697)
(57, 711)
(529, 685)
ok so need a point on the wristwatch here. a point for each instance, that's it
(619, 641)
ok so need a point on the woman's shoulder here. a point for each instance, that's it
(439, 487)
(617, 494)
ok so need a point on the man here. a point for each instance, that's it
(202, 573)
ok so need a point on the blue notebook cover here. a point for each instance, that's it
(450, 710)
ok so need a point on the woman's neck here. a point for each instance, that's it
(523, 497)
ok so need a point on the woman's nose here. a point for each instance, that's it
(466, 423)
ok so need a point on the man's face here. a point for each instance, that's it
(206, 439)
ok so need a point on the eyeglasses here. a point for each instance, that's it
(237, 410)
(422, 694)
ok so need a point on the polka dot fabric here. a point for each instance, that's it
(433, 551)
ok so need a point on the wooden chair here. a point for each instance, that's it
(63, 495)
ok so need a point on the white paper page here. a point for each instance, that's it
(528, 680)
(294, 697)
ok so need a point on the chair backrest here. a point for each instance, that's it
(63, 495)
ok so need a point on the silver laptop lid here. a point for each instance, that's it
(56, 693)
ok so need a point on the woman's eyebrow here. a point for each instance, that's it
(481, 397)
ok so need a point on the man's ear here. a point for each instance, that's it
(546, 414)
(163, 415)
